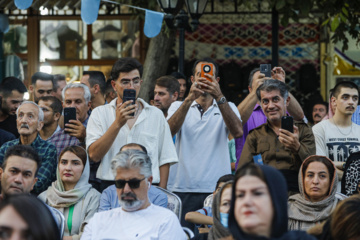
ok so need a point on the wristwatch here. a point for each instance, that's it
(222, 100)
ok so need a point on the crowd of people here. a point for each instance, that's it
(259, 170)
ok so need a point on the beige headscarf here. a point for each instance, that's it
(56, 195)
(305, 213)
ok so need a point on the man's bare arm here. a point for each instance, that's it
(295, 109)
(100, 147)
(164, 175)
(177, 119)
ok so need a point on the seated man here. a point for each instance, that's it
(109, 199)
(19, 169)
(137, 217)
(29, 122)
(269, 144)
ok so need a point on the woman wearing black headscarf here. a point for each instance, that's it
(259, 205)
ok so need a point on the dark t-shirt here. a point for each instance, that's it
(5, 136)
(9, 125)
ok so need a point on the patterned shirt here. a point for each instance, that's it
(47, 171)
(62, 140)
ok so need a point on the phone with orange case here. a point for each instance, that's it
(207, 68)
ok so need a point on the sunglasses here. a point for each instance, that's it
(133, 183)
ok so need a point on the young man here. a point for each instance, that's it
(52, 109)
(41, 85)
(12, 93)
(115, 124)
(59, 84)
(95, 81)
(338, 137)
(165, 93)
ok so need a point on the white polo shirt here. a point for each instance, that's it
(202, 147)
(150, 130)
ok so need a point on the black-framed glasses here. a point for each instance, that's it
(133, 183)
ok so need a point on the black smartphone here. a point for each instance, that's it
(265, 69)
(287, 123)
(129, 94)
(69, 114)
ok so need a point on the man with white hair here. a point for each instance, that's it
(78, 96)
(137, 218)
(29, 122)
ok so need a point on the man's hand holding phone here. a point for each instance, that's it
(290, 140)
(212, 87)
(278, 73)
(76, 129)
(125, 111)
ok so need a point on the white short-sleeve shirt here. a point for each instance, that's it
(150, 130)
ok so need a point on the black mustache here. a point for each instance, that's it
(317, 115)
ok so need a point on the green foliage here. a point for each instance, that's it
(340, 16)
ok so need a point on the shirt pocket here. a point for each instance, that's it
(263, 147)
(149, 141)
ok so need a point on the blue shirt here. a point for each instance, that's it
(356, 116)
(207, 211)
(109, 198)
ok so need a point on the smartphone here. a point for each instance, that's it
(265, 69)
(129, 94)
(207, 68)
(287, 123)
(69, 114)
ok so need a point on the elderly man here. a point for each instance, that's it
(12, 93)
(78, 96)
(137, 218)
(120, 122)
(269, 144)
(41, 85)
(19, 169)
(29, 120)
(166, 92)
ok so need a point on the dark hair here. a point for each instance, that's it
(35, 213)
(251, 75)
(151, 95)
(55, 105)
(10, 84)
(24, 151)
(171, 84)
(271, 85)
(249, 169)
(322, 103)
(344, 84)
(178, 75)
(57, 78)
(225, 178)
(96, 77)
(321, 159)
(109, 87)
(42, 76)
(134, 145)
(125, 65)
(78, 151)
(345, 220)
(209, 60)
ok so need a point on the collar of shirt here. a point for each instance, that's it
(35, 142)
(145, 104)
(194, 103)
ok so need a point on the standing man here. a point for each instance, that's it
(29, 120)
(112, 125)
(78, 96)
(183, 86)
(319, 111)
(59, 84)
(338, 136)
(271, 145)
(41, 85)
(165, 93)
(202, 124)
(110, 93)
(95, 81)
(52, 109)
(12, 94)
(251, 112)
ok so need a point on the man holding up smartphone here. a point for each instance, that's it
(121, 122)
(270, 143)
(75, 96)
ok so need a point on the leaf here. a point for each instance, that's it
(335, 23)
(325, 22)
(343, 18)
(280, 4)
(345, 11)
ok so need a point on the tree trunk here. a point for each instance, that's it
(157, 60)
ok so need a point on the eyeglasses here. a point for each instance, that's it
(126, 82)
(133, 183)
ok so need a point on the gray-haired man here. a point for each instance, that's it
(269, 144)
(29, 121)
(137, 217)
